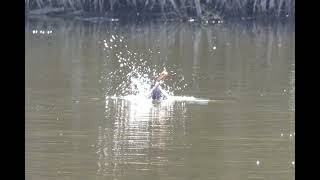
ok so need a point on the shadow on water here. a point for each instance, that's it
(73, 130)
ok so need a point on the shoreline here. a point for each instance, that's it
(93, 18)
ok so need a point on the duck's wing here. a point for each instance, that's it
(166, 95)
(149, 94)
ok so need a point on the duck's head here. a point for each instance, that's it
(162, 75)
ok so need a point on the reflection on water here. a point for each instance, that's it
(244, 71)
(139, 136)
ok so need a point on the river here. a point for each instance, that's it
(245, 72)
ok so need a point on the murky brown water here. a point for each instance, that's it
(247, 131)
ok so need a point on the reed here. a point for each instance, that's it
(179, 8)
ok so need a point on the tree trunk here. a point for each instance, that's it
(271, 4)
(255, 6)
(174, 5)
(39, 3)
(111, 5)
(263, 6)
(162, 3)
(279, 7)
(198, 7)
(27, 5)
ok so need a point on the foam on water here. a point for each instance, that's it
(141, 98)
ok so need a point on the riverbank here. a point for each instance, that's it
(171, 10)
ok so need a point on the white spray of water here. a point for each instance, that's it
(131, 79)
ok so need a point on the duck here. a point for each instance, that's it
(156, 92)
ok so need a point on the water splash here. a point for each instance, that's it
(132, 71)
(131, 76)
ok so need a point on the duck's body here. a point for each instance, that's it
(156, 92)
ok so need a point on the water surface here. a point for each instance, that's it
(75, 131)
